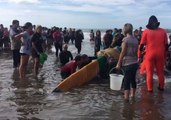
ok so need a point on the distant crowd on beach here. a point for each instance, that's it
(41, 38)
(68, 35)
(31, 40)
(135, 46)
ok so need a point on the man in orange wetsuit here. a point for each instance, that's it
(156, 43)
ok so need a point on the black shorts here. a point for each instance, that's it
(23, 54)
(34, 54)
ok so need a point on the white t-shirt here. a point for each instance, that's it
(26, 43)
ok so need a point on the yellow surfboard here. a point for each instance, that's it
(80, 77)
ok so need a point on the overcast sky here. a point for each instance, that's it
(85, 13)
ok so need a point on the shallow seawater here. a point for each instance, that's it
(33, 98)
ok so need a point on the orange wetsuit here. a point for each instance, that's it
(155, 41)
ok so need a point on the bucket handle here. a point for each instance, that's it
(116, 69)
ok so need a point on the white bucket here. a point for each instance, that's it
(116, 81)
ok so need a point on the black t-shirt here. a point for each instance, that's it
(38, 41)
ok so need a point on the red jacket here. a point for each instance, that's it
(70, 67)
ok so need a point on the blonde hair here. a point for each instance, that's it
(128, 29)
(37, 28)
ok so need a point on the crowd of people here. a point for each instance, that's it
(31, 40)
(148, 47)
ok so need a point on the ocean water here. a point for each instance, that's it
(32, 99)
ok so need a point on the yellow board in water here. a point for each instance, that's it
(80, 77)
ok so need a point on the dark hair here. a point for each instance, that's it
(136, 30)
(99, 32)
(56, 29)
(27, 25)
(84, 56)
(140, 27)
(14, 22)
(78, 58)
(153, 23)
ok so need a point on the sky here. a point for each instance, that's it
(86, 13)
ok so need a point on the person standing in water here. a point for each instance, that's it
(38, 46)
(128, 60)
(15, 44)
(91, 35)
(156, 42)
(97, 41)
(58, 41)
(79, 36)
(25, 49)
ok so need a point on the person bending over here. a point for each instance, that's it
(70, 67)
